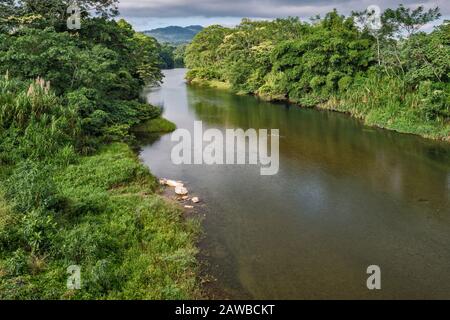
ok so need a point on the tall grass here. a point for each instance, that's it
(129, 242)
(389, 103)
(58, 208)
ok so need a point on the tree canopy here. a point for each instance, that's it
(332, 57)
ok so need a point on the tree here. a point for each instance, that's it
(371, 24)
(166, 55)
(203, 54)
(145, 50)
(178, 55)
(405, 21)
(52, 12)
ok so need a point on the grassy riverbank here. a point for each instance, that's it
(72, 193)
(215, 84)
(129, 242)
(380, 107)
(157, 125)
(375, 108)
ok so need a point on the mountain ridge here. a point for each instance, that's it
(174, 34)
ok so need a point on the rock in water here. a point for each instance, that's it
(175, 184)
(181, 191)
(195, 200)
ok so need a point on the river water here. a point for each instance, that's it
(346, 197)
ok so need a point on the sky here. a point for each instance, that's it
(150, 14)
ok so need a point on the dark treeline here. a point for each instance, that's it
(394, 76)
(66, 197)
(172, 56)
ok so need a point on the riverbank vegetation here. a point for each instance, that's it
(71, 190)
(172, 56)
(393, 77)
(157, 125)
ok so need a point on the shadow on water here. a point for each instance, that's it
(347, 196)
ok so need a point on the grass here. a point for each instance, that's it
(157, 125)
(216, 84)
(129, 242)
(381, 108)
(390, 106)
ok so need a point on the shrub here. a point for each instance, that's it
(18, 263)
(344, 83)
(117, 133)
(317, 82)
(435, 100)
(158, 125)
(37, 230)
(31, 187)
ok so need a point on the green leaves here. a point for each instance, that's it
(311, 63)
(406, 21)
(30, 188)
(64, 94)
(254, 54)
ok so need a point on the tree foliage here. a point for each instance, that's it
(172, 56)
(312, 63)
(63, 95)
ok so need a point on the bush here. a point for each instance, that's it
(309, 101)
(117, 133)
(317, 82)
(158, 125)
(65, 156)
(66, 209)
(18, 263)
(31, 187)
(33, 123)
(37, 230)
(434, 100)
(344, 83)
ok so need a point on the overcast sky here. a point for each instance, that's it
(149, 14)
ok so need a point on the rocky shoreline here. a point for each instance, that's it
(181, 192)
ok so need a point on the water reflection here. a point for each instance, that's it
(347, 196)
(397, 164)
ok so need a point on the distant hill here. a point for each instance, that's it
(174, 34)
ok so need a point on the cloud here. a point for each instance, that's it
(257, 8)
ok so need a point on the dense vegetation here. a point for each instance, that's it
(394, 77)
(172, 56)
(173, 42)
(71, 192)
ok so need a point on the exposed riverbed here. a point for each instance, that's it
(346, 196)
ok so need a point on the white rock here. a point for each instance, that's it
(189, 207)
(195, 200)
(181, 191)
(174, 184)
(162, 182)
(185, 197)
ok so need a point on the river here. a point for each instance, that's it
(347, 196)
